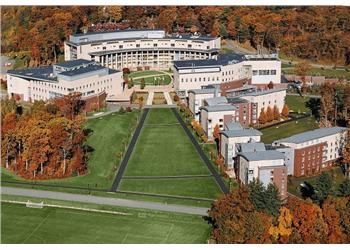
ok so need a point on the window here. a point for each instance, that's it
(190, 46)
(172, 45)
(250, 171)
(273, 72)
(255, 72)
(120, 46)
(137, 45)
(155, 45)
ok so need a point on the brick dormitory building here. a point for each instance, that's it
(304, 154)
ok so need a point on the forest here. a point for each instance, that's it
(318, 33)
(46, 140)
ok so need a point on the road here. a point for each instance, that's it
(103, 200)
(127, 155)
(205, 159)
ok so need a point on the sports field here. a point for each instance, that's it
(162, 150)
(56, 225)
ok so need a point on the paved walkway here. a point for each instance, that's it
(150, 98)
(210, 166)
(103, 200)
(127, 155)
(168, 98)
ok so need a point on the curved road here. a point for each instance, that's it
(104, 200)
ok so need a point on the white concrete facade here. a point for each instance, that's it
(228, 147)
(139, 48)
(32, 88)
(209, 119)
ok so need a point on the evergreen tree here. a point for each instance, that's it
(344, 188)
(265, 199)
(323, 187)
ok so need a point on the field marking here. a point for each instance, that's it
(72, 208)
(168, 234)
(124, 239)
(37, 227)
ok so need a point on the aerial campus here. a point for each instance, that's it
(170, 133)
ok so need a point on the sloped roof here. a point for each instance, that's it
(312, 135)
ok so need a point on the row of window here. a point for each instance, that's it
(264, 72)
(199, 79)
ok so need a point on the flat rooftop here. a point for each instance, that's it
(102, 36)
(262, 155)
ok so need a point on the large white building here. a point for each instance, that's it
(197, 74)
(139, 48)
(43, 83)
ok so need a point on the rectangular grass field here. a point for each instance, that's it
(57, 225)
(163, 149)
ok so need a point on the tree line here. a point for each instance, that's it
(256, 214)
(308, 32)
(45, 141)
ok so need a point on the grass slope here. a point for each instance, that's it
(288, 129)
(297, 103)
(55, 225)
(108, 133)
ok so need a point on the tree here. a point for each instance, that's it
(140, 100)
(285, 111)
(323, 186)
(283, 229)
(234, 219)
(332, 209)
(308, 224)
(301, 69)
(265, 199)
(216, 132)
(327, 104)
(269, 114)
(143, 84)
(270, 85)
(276, 113)
(262, 117)
(344, 188)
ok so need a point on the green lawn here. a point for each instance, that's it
(144, 73)
(194, 187)
(294, 183)
(297, 103)
(56, 225)
(106, 139)
(163, 149)
(337, 73)
(155, 80)
(288, 129)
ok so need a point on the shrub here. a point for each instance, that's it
(121, 110)
(176, 98)
(126, 71)
(128, 109)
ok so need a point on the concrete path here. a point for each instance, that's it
(103, 200)
(205, 159)
(150, 98)
(310, 96)
(168, 98)
(127, 155)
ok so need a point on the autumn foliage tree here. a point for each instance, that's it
(269, 114)
(41, 144)
(234, 220)
(285, 111)
(262, 116)
(276, 113)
